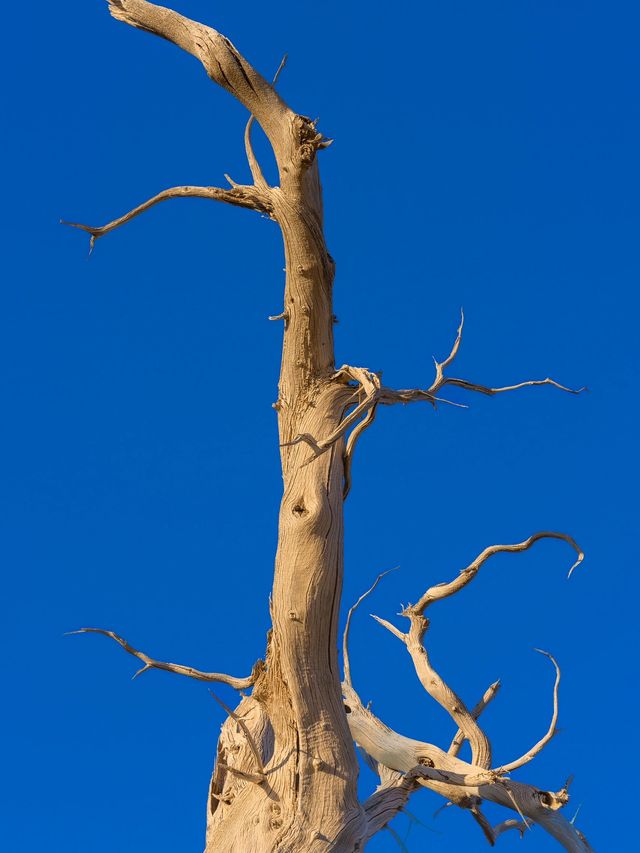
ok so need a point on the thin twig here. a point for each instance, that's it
(352, 609)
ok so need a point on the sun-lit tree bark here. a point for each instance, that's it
(286, 768)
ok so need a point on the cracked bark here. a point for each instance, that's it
(286, 769)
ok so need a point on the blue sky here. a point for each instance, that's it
(486, 156)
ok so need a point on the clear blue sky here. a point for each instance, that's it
(486, 155)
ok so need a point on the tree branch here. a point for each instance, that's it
(350, 446)
(239, 196)
(493, 832)
(459, 737)
(190, 672)
(444, 590)
(222, 61)
(540, 745)
(458, 781)
(347, 627)
(416, 395)
(245, 729)
(463, 784)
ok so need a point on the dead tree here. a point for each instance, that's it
(286, 768)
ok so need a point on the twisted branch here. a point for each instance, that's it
(189, 671)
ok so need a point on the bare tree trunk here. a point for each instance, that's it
(312, 798)
(286, 770)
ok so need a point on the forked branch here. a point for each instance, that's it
(239, 196)
(189, 671)
(415, 395)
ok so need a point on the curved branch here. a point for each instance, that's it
(355, 434)
(222, 61)
(245, 729)
(352, 610)
(493, 832)
(389, 396)
(444, 590)
(540, 745)
(484, 389)
(189, 671)
(438, 689)
(239, 196)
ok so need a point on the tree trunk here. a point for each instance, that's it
(296, 713)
